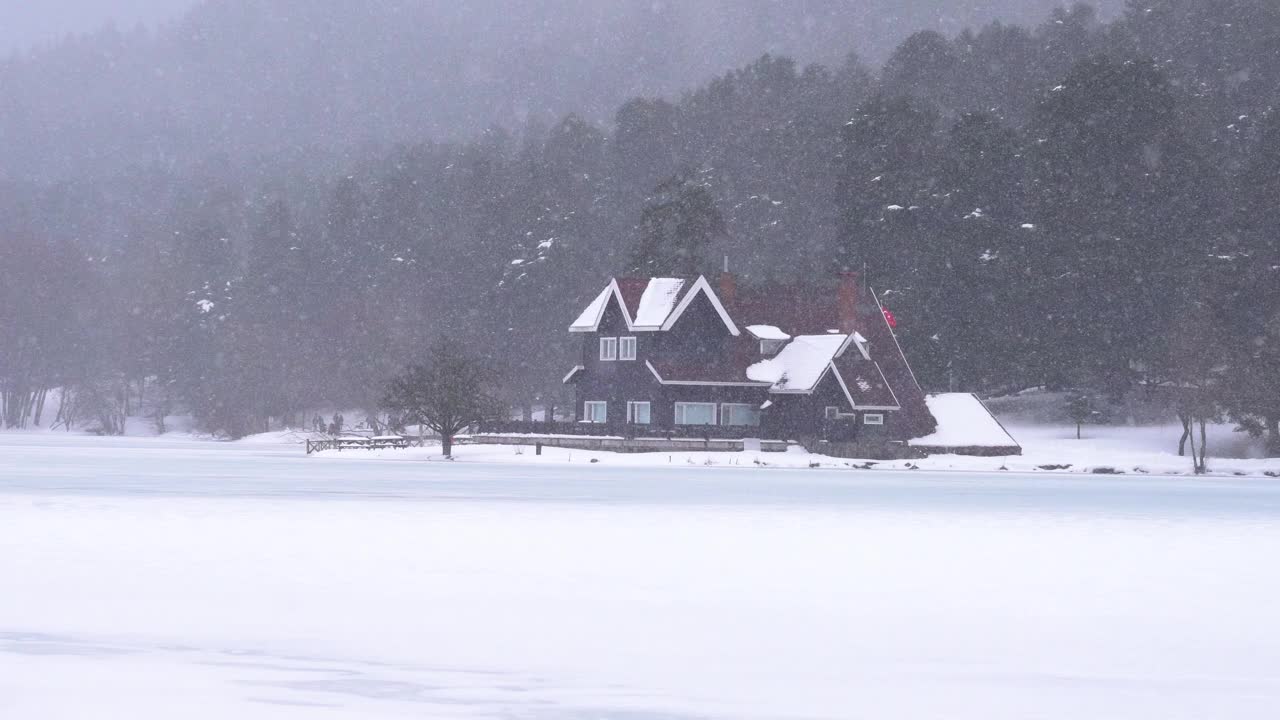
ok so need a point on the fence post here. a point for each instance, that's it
(537, 448)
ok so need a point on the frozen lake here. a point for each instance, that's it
(156, 578)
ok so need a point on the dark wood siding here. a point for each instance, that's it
(700, 337)
(614, 381)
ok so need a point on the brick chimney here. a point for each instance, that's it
(848, 295)
(728, 286)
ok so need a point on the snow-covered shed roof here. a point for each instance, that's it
(963, 422)
(767, 332)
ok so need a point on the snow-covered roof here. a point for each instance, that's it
(861, 343)
(657, 301)
(800, 365)
(590, 318)
(767, 332)
(650, 303)
(702, 286)
(963, 421)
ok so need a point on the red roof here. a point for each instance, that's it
(730, 368)
(796, 310)
(632, 289)
(865, 381)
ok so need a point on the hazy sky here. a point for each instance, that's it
(24, 23)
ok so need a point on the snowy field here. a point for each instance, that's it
(165, 578)
(1150, 450)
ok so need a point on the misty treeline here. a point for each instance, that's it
(1077, 205)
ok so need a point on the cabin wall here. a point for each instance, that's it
(699, 336)
(794, 417)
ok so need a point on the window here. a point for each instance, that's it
(595, 411)
(627, 348)
(739, 414)
(608, 348)
(771, 347)
(691, 413)
(873, 419)
(638, 413)
(832, 412)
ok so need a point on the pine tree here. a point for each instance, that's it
(678, 224)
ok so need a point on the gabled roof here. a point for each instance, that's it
(864, 383)
(650, 304)
(589, 320)
(801, 364)
(702, 286)
(657, 301)
(806, 360)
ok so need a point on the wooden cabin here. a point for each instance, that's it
(677, 356)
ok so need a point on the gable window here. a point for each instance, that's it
(608, 348)
(693, 413)
(739, 414)
(638, 412)
(873, 419)
(627, 348)
(595, 411)
(831, 413)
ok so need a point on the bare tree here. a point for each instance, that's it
(448, 393)
(1191, 367)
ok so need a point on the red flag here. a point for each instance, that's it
(888, 317)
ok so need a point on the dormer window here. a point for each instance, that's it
(771, 347)
(772, 339)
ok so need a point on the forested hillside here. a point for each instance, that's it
(1077, 204)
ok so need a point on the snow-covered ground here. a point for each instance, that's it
(170, 578)
(1045, 449)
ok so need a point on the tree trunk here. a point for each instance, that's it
(40, 406)
(1186, 433)
(1273, 436)
(1077, 431)
(1195, 457)
(446, 444)
(1202, 463)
